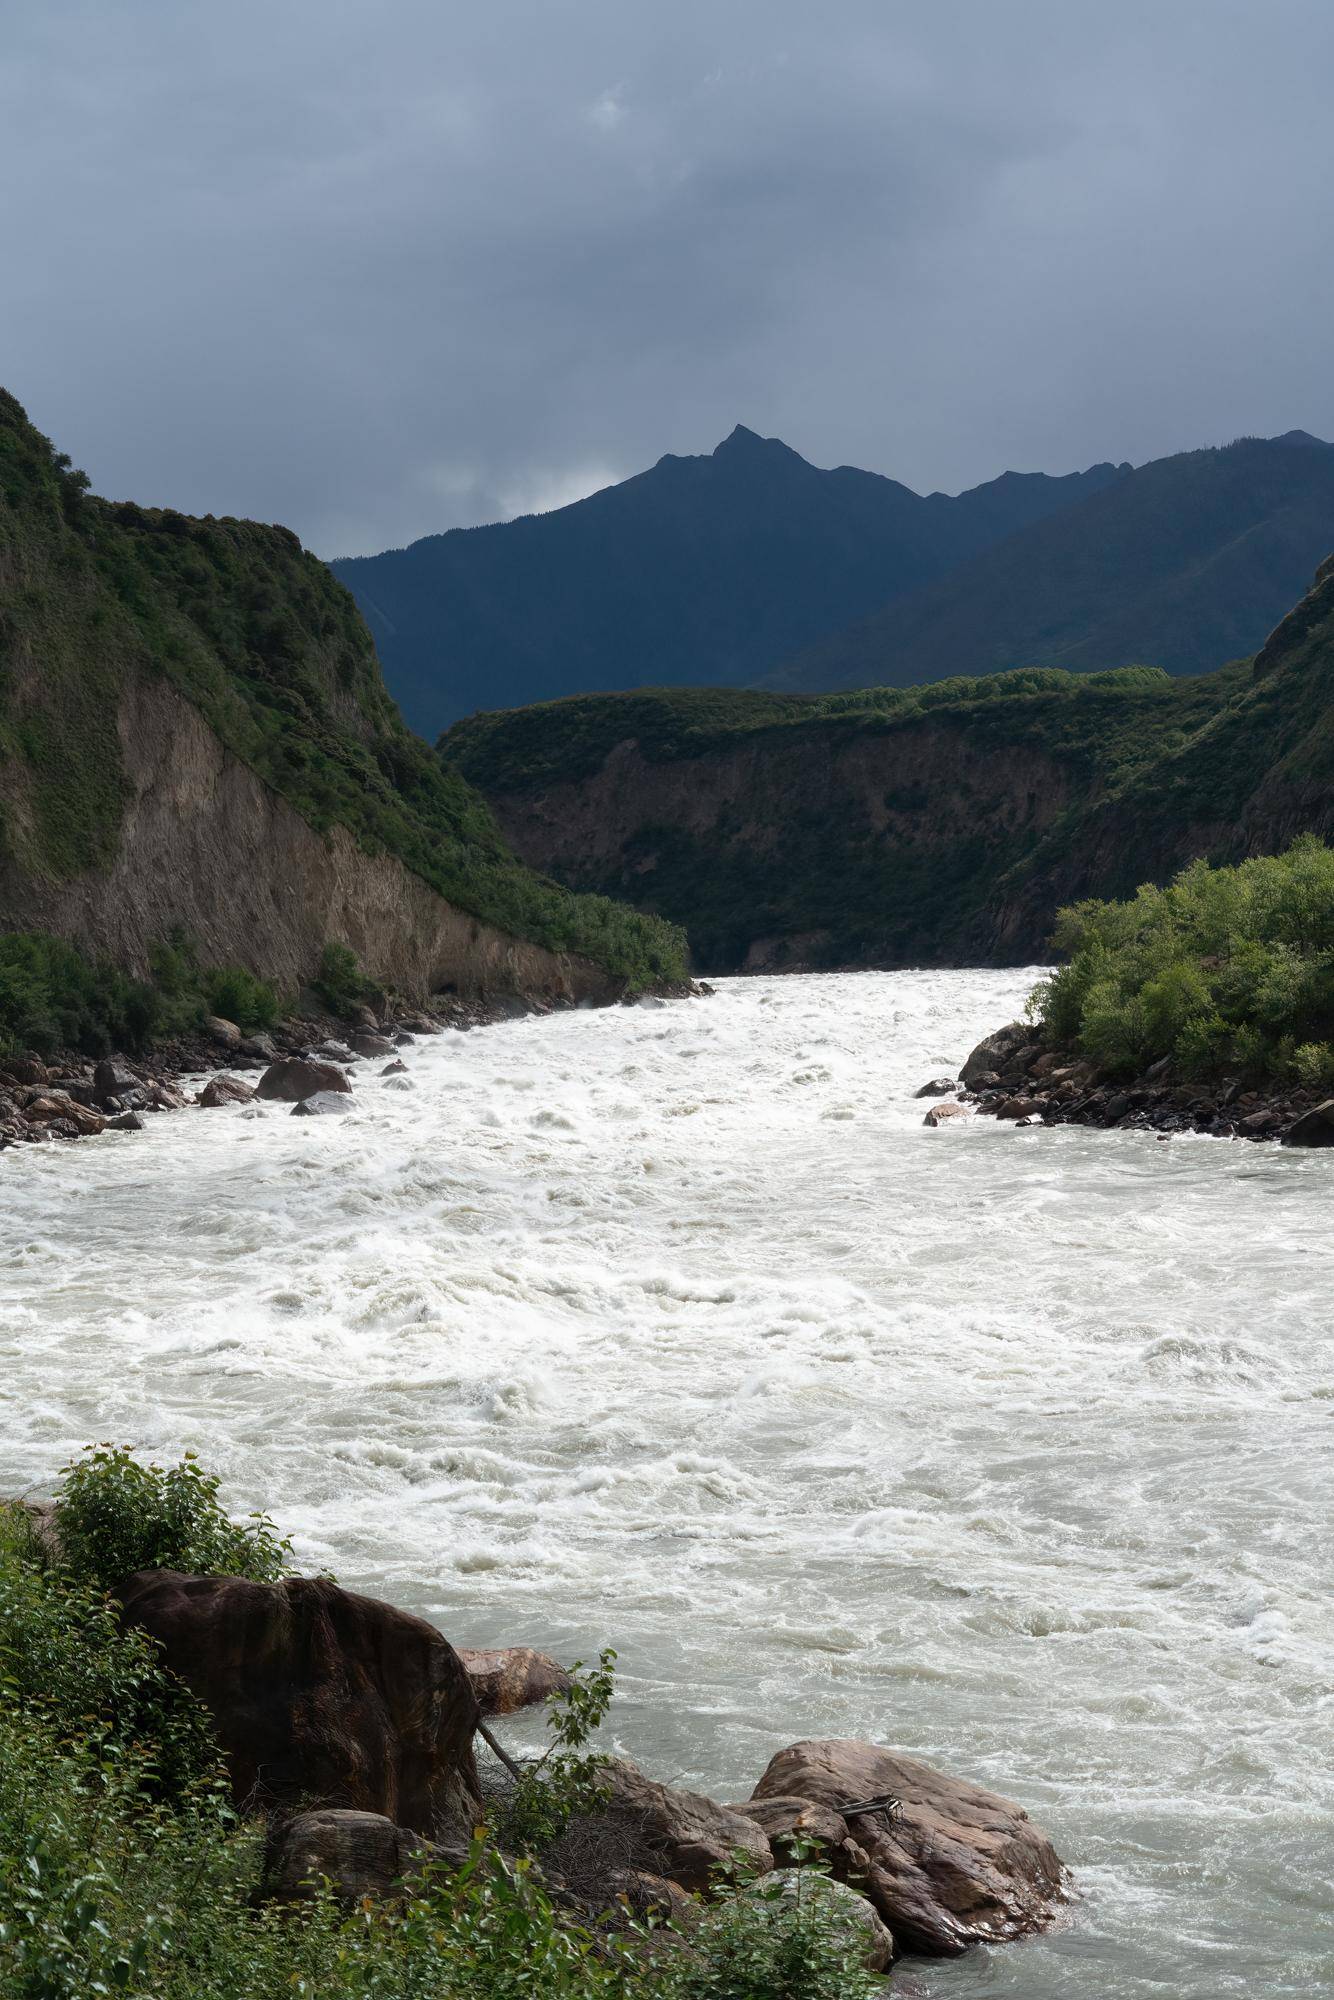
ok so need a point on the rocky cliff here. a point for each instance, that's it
(194, 736)
(805, 835)
(938, 825)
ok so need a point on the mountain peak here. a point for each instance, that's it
(1303, 438)
(741, 443)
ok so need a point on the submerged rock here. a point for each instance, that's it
(941, 1114)
(324, 1104)
(939, 1086)
(317, 1693)
(957, 1866)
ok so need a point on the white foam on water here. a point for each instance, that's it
(672, 1328)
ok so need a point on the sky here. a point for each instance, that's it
(376, 268)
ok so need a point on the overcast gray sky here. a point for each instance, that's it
(379, 267)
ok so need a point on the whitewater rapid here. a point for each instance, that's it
(671, 1328)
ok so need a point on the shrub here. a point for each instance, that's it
(566, 1781)
(117, 1515)
(238, 996)
(341, 983)
(1226, 968)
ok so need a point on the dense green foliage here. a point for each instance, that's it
(52, 997)
(1186, 562)
(703, 571)
(118, 1515)
(270, 649)
(1225, 969)
(125, 1870)
(341, 984)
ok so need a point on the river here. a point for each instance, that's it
(671, 1328)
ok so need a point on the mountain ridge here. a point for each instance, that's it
(708, 569)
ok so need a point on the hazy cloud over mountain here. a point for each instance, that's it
(378, 269)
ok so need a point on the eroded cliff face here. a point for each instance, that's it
(207, 845)
(772, 851)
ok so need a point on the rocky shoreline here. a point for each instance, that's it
(1016, 1075)
(349, 1728)
(302, 1060)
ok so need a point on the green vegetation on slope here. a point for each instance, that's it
(52, 997)
(270, 648)
(124, 1867)
(794, 860)
(1225, 969)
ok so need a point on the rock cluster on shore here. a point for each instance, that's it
(1017, 1075)
(350, 1725)
(303, 1062)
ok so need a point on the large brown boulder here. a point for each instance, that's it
(681, 1835)
(1313, 1128)
(294, 1078)
(225, 1089)
(995, 1052)
(961, 1866)
(508, 1678)
(320, 1697)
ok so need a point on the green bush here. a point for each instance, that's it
(341, 983)
(52, 997)
(118, 1515)
(238, 996)
(1225, 969)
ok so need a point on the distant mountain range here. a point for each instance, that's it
(705, 571)
(749, 566)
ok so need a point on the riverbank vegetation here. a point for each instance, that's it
(53, 997)
(1225, 969)
(126, 1869)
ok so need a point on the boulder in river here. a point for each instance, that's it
(1314, 1127)
(293, 1078)
(939, 1086)
(508, 1678)
(367, 1044)
(324, 1104)
(60, 1112)
(319, 1694)
(225, 1089)
(954, 1866)
(941, 1114)
(112, 1079)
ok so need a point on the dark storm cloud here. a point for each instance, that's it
(375, 267)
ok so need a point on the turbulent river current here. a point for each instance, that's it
(671, 1328)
